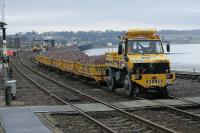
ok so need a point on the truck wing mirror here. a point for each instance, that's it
(168, 47)
(120, 49)
(167, 43)
(126, 59)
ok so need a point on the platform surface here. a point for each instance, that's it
(195, 99)
(24, 119)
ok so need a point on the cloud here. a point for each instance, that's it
(45, 15)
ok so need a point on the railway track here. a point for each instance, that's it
(88, 87)
(191, 76)
(26, 73)
(166, 109)
(189, 116)
(120, 122)
(176, 110)
(25, 90)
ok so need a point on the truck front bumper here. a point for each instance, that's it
(153, 80)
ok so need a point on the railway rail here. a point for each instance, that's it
(168, 108)
(123, 115)
(176, 110)
(44, 89)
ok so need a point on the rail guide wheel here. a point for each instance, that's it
(165, 92)
(111, 82)
(130, 88)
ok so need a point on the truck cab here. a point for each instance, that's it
(140, 64)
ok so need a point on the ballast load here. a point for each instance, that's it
(140, 64)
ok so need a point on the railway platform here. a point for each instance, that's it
(25, 120)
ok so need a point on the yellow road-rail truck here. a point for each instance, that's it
(140, 64)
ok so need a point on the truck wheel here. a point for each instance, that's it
(131, 90)
(111, 82)
(128, 85)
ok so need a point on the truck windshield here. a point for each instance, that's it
(144, 47)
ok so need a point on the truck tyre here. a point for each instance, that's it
(128, 85)
(131, 89)
(111, 82)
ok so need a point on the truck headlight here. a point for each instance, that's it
(169, 76)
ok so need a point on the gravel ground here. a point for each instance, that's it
(74, 124)
(185, 88)
(27, 94)
(77, 124)
(54, 88)
(71, 123)
(170, 120)
(120, 123)
(194, 110)
(89, 88)
(181, 87)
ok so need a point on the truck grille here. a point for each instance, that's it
(151, 68)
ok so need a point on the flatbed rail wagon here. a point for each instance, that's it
(84, 71)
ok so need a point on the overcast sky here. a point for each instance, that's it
(65, 15)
